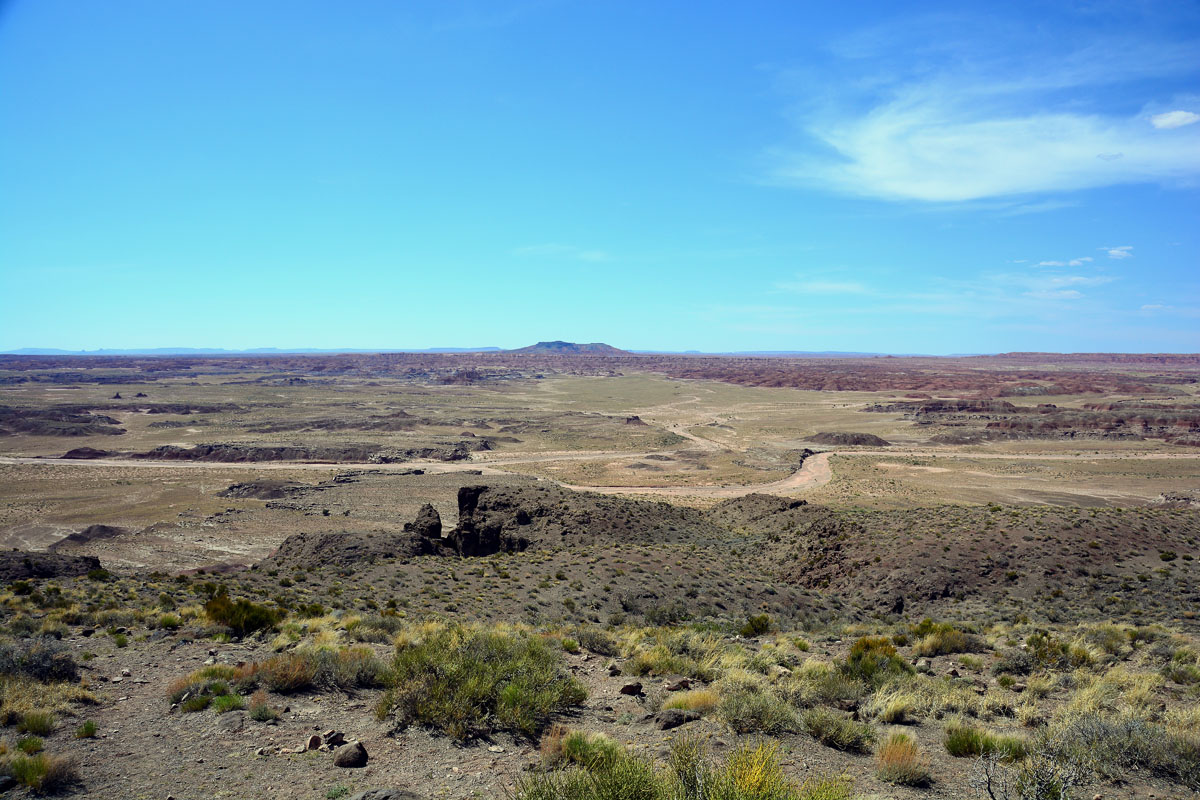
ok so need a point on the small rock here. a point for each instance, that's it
(679, 685)
(496, 749)
(334, 738)
(670, 718)
(262, 751)
(126, 673)
(6, 783)
(614, 671)
(385, 794)
(632, 689)
(232, 722)
(350, 756)
(314, 743)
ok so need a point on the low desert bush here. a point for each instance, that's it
(596, 641)
(86, 731)
(42, 659)
(962, 739)
(591, 750)
(899, 760)
(834, 729)
(43, 773)
(752, 772)
(40, 723)
(468, 681)
(874, 660)
(261, 709)
(228, 702)
(242, 617)
(1113, 746)
(945, 639)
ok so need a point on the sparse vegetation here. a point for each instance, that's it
(467, 681)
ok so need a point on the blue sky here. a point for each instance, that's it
(700, 175)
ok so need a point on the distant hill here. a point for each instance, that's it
(573, 348)
(217, 351)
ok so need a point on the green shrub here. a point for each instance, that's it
(873, 660)
(228, 702)
(747, 710)
(963, 740)
(469, 681)
(86, 731)
(752, 772)
(43, 773)
(943, 639)
(30, 745)
(169, 621)
(40, 723)
(756, 625)
(836, 730)
(242, 617)
(196, 703)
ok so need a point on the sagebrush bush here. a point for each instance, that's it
(597, 641)
(467, 681)
(874, 660)
(1110, 747)
(42, 659)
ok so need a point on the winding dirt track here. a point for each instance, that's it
(815, 472)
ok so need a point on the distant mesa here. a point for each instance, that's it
(846, 438)
(573, 348)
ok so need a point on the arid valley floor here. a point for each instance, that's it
(517, 573)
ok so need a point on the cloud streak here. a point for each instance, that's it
(983, 126)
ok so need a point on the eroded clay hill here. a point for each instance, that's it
(1098, 562)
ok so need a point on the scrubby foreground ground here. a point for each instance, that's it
(247, 684)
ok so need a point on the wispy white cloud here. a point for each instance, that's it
(1174, 119)
(1125, 251)
(553, 250)
(987, 125)
(1074, 262)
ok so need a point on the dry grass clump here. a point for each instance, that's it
(899, 760)
(561, 746)
(962, 739)
(834, 729)
(701, 701)
(940, 639)
(752, 772)
(43, 773)
(22, 696)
